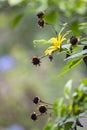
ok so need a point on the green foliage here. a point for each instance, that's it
(71, 64)
(57, 105)
(41, 41)
(67, 89)
(78, 55)
(84, 81)
(51, 17)
(75, 28)
(16, 20)
(75, 108)
(70, 16)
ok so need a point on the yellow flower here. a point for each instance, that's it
(56, 43)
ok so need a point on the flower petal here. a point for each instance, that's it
(63, 37)
(59, 37)
(56, 43)
(50, 50)
(54, 40)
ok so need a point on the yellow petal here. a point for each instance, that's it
(65, 34)
(57, 43)
(59, 37)
(50, 50)
(63, 37)
(54, 40)
(51, 47)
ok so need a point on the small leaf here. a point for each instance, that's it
(51, 17)
(57, 105)
(41, 41)
(71, 119)
(66, 46)
(67, 89)
(84, 81)
(75, 28)
(79, 55)
(68, 123)
(71, 64)
(83, 26)
(48, 126)
(68, 126)
(15, 21)
(63, 110)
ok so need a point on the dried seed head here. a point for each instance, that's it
(42, 109)
(36, 100)
(40, 14)
(36, 60)
(50, 57)
(41, 23)
(34, 116)
(73, 40)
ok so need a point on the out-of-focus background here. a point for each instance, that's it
(20, 81)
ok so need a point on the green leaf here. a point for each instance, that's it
(67, 89)
(83, 114)
(63, 110)
(66, 124)
(51, 17)
(77, 55)
(75, 28)
(71, 119)
(83, 26)
(51, 125)
(41, 41)
(48, 126)
(66, 46)
(15, 21)
(84, 81)
(56, 106)
(71, 64)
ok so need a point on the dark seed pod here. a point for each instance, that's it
(73, 40)
(36, 100)
(36, 60)
(50, 57)
(42, 109)
(41, 23)
(34, 116)
(40, 14)
(85, 58)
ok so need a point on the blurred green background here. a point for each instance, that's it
(20, 81)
